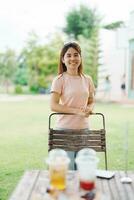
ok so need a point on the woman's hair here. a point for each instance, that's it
(62, 67)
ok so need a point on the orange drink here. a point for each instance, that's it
(58, 165)
(58, 177)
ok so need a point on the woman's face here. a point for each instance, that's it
(72, 59)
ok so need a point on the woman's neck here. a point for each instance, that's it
(72, 73)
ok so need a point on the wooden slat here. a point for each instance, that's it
(119, 187)
(131, 174)
(76, 132)
(72, 148)
(39, 190)
(106, 189)
(77, 143)
(128, 188)
(67, 137)
(101, 190)
(25, 186)
(113, 188)
(98, 184)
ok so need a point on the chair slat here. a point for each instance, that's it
(74, 148)
(78, 143)
(79, 132)
(67, 137)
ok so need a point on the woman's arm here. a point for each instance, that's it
(90, 106)
(57, 107)
(91, 98)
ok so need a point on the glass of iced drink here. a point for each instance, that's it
(86, 161)
(58, 162)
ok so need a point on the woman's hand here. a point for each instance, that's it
(81, 112)
(87, 111)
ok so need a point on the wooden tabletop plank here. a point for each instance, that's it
(131, 175)
(40, 187)
(98, 184)
(128, 187)
(113, 185)
(120, 189)
(113, 189)
(24, 188)
(106, 188)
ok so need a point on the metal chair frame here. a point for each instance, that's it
(74, 140)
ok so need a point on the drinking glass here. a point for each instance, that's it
(86, 161)
(58, 162)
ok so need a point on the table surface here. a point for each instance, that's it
(33, 184)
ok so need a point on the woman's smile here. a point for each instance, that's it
(72, 60)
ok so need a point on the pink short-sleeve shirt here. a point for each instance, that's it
(74, 92)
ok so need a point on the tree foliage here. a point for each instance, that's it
(83, 24)
(91, 55)
(8, 66)
(81, 21)
(113, 25)
(41, 60)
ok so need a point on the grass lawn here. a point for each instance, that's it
(24, 136)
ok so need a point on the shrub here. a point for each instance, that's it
(34, 88)
(18, 89)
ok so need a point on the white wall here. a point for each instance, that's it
(115, 55)
(112, 60)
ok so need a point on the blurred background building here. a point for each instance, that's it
(118, 60)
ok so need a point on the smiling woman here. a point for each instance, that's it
(72, 91)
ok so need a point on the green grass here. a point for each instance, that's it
(24, 136)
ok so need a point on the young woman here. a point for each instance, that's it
(72, 91)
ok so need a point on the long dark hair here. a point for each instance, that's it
(62, 67)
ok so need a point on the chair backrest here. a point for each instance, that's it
(74, 140)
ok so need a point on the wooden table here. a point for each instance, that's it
(33, 185)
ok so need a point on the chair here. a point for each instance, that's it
(74, 140)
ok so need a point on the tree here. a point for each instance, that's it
(113, 25)
(8, 66)
(81, 21)
(84, 24)
(41, 60)
(22, 74)
(91, 55)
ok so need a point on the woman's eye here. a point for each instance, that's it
(68, 56)
(76, 55)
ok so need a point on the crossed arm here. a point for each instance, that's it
(90, 106)
(57, 107)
